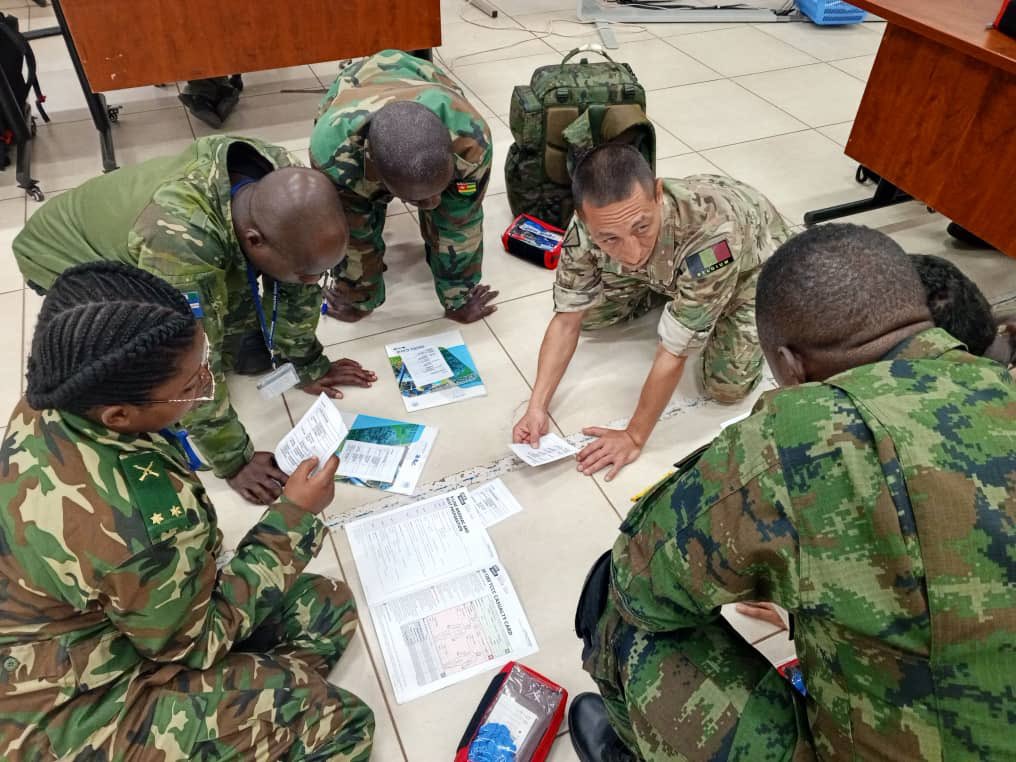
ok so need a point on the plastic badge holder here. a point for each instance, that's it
(534, 240)
(517, 720)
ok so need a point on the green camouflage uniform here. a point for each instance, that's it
(715, 234)
(453, 232)
(172, 217)
(879, 508)
(119, 639)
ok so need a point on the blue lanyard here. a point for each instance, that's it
(266, 332)
(180, 435)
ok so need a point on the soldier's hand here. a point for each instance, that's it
(260, 481)
(341, 308)
(613, 447)
(477, 307)
(314, 492)
(533, 425)
(765, 612)
(344, 372)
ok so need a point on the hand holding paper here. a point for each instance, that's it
(552, 447)
(318, 435)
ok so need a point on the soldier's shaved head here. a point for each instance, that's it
(835, 297)
(610, 173)
(411, 149)
(291, 224)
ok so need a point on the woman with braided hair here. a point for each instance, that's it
(119, 638)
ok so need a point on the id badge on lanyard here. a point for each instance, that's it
(284, 377)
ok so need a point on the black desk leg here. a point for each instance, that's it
(96, 101)
(886, 194)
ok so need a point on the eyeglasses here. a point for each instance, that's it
(205, 376)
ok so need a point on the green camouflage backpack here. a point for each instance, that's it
(565, 110)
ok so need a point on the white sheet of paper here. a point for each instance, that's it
(426, 364)
(404, 550)
(492, 503)
(373, 462)
(735, 419)
(552, 447)
(510, 713)
(318, 434)
(452, 631)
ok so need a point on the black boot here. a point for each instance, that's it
(965, 236)
(593, 739)
(252, 358)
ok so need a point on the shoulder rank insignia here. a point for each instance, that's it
(466, 188)
(709, 260)
(153, 494)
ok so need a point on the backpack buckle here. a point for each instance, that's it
(562, 95)
(629, 91)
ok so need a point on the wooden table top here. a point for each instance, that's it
(960, 24)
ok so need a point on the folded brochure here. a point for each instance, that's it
(436, 370)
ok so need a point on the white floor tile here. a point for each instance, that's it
(825, 42)
(65, 155)
(272, 81)
(838, 132)
(471, 42)
(719, 113)
(493, 81)
(65, 101)
(12, 218)
(859, 67)
(741, 50)
(285, 119)
(667, 145)
(11, 361)
(33, 303)
(798, 172)
(688, 164)
(817, 94)
(502, 139)
(564, 32)
(675, 29)
(658, 64)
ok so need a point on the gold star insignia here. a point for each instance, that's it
(157, 518)
(147, 471)
(175, 510)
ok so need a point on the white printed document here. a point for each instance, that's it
(425, 364)
(552, 447)
(417, 545)
(443, 606)
(491, 503)
(318, 434)
(436, 370)
(369, 461)
(451, 631)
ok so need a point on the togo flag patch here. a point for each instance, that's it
(716, 257)
(466, 188)
(194, 302)
(153, 493)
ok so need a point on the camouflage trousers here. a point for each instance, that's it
(702, 694)
(456, 268)
(269, 699)
(731, 360)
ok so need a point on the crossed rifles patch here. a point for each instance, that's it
(153, 494)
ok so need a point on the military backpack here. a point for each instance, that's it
(565, 110)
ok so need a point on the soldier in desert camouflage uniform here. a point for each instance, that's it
(395, 126)
(635, 243)
(874, 499)
(119, 638)
(205, 221)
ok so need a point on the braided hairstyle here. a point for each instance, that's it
(107, 334)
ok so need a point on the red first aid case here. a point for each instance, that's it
(521, 709)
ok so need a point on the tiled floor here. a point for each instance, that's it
(770, 104)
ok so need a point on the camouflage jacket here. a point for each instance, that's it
(172, 217)
(879, 508)
(339, 140)
(107, 563)
(714, 236)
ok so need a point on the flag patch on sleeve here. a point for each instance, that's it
(466, 188)
(709, 260)
(194, 302)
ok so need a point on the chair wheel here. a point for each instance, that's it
(36, 193)
(113, 112)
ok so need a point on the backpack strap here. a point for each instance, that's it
(32, 80)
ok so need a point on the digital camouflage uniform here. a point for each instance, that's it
(172, 217)
(715, 234)
(453, 232)
(879, 508)
(120, 640)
